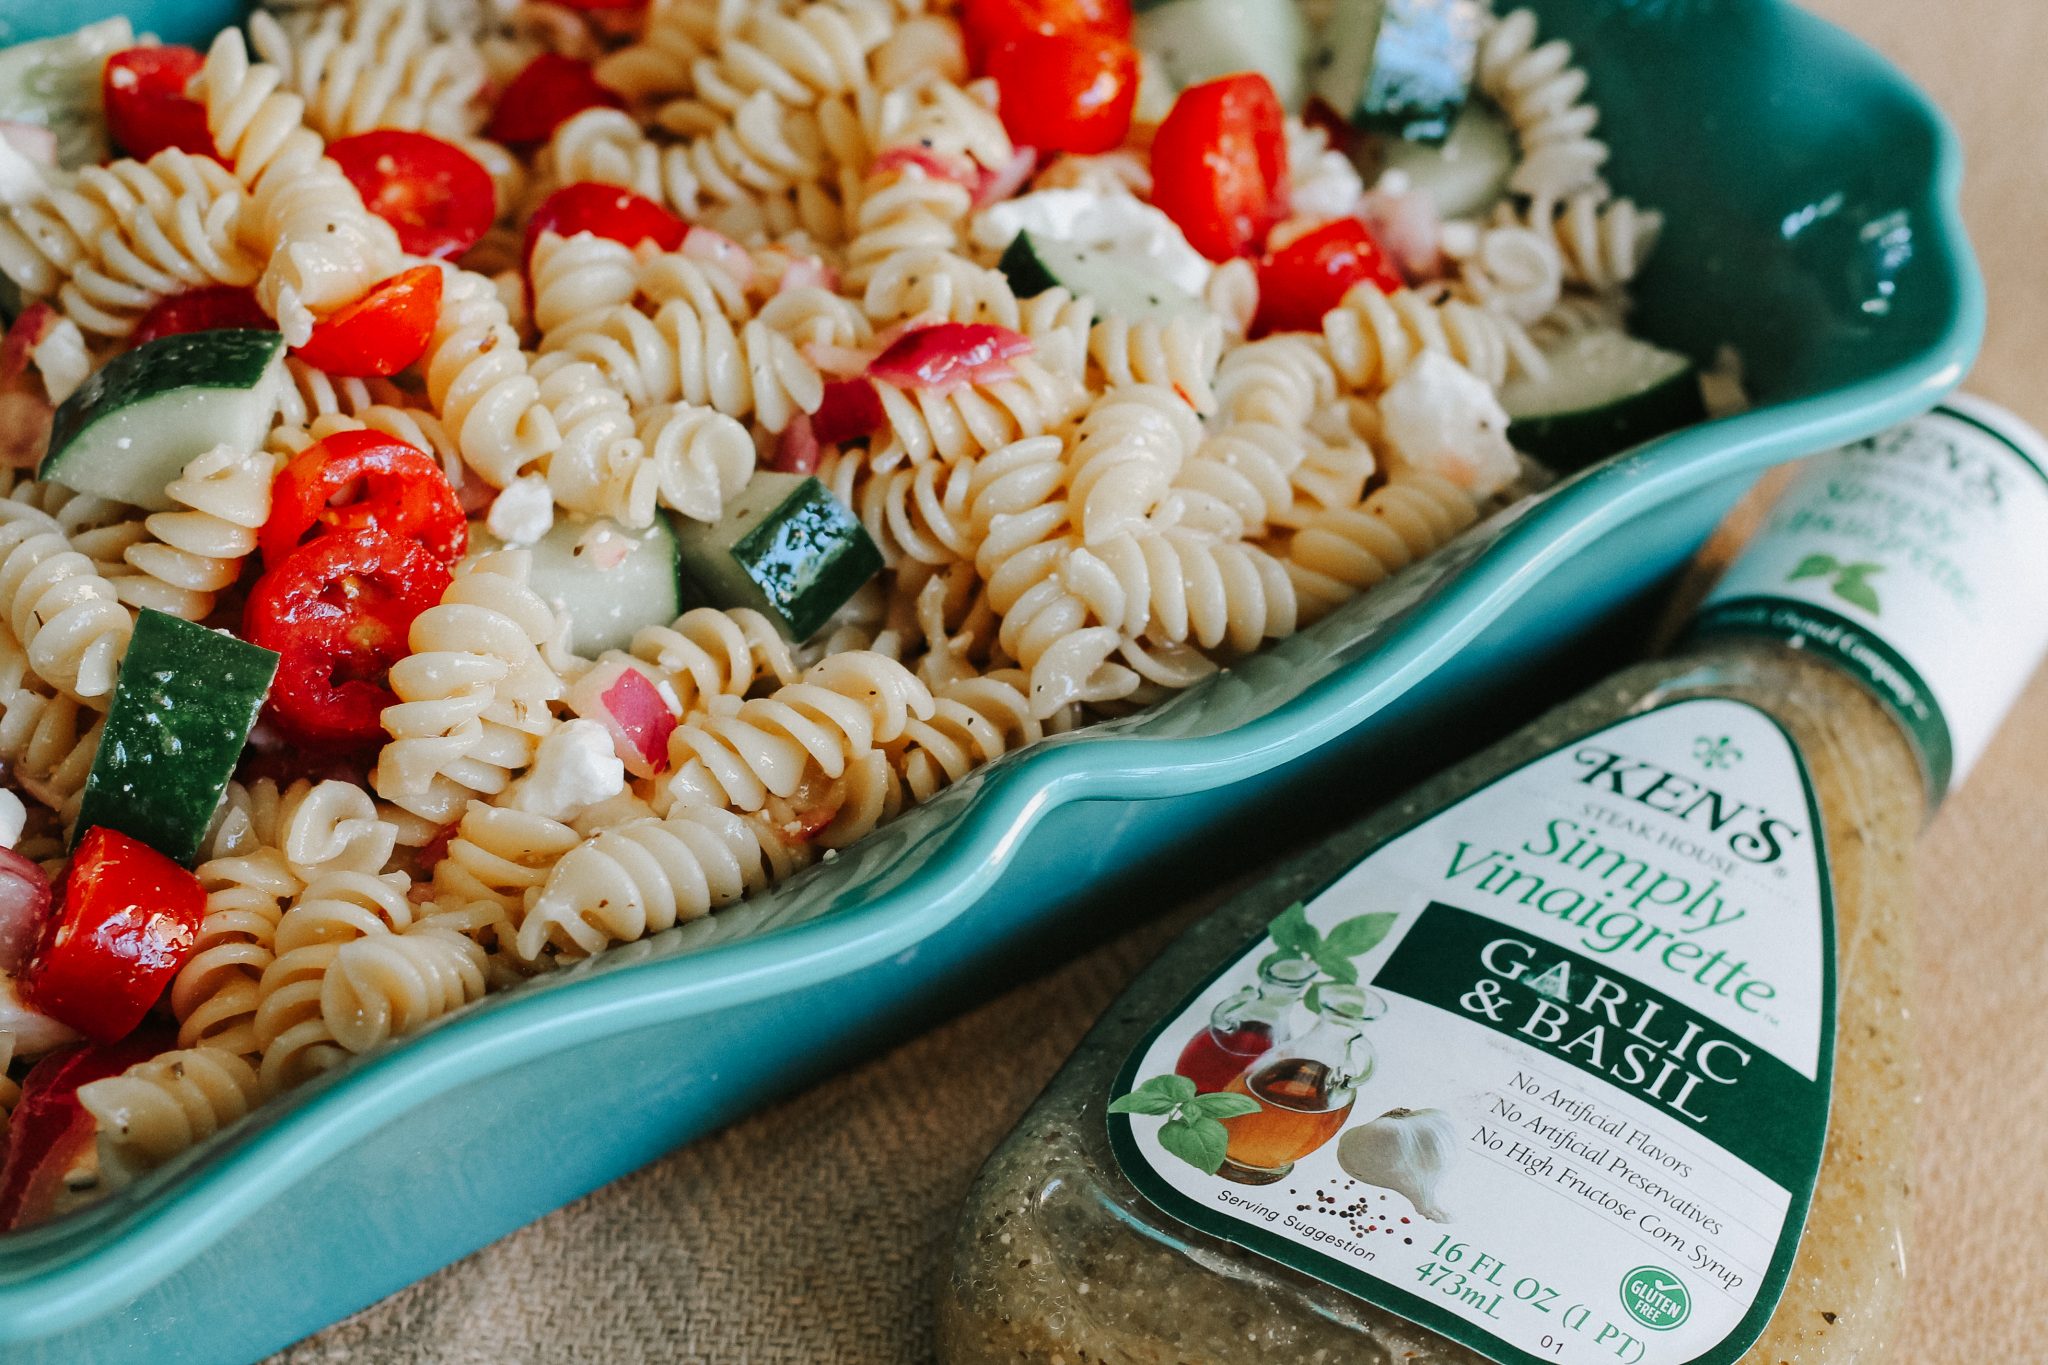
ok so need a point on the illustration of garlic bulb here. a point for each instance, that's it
(1408, 1151)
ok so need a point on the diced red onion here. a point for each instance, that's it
(947, 354)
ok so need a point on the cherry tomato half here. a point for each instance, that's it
(393, 487)
(608, 211)
(438, 197)
(383, 331)
(550, 90)
(1219, 164)
(126, 920)
(50, 1133)
(206, 309)
(991, 25)
(1309, 276)
(1066, 92)
(148, 110)
(337, 611)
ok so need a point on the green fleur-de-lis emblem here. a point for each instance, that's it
(1716, 753)
(1850, 582)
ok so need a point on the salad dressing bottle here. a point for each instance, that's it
(1645, 1058)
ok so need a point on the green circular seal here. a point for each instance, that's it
(1655, 1297)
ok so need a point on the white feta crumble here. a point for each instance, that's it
(523, 512)
(1441, 418)
(13, 817)
(1131, 228)
(574, 768)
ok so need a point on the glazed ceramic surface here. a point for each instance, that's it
(1810, 193)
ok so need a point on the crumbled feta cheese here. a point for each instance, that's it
(62, 359)
(523, 512)
(1441, 418)
(574, 768)
(13, 816)
(1116, 222)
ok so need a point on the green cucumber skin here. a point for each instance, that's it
(1116, 288)
(1026, 273)
(1567, 441)
(1422, 69)
(181, 715)
(809, 558)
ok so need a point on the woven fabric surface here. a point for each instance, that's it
(811, 1232)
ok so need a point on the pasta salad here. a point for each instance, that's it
(485, 482)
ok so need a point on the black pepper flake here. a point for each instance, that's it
(1830, 1317)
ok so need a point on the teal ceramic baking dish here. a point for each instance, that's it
(1811, 197)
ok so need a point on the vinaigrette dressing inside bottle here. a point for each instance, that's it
(1638, 977)
(1246, 1024)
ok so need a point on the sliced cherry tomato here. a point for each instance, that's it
(991, 25)
(383, 331)
(608, 211)
(1066, 92)
(389, 486)
(1219, 164)
(126, 920)
(206, 309)
(438, 197)
(550, 90)
(338, 610)
(50, 1134)
(1311, 274)
(148, 110)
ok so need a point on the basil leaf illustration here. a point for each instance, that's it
(1202, 1143)
(1360, 935)
(1220, 1106)
(1292, 931)
(1814, 566)
(1856, 592)
(1335, 965)
(1143, 1102)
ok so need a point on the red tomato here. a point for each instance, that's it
(126, 920)
(50, 1133)
(551, 89)
(608, 211)
(1219, 164)
(851, 410)
(337, 611)
(1069, 92)
(390, 486)
(148, 110)
(207, 309)
(1311, 274)
(991, 25)
(383, 331)
(437, 195)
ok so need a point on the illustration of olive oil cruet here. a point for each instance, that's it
(1245, 1024)
(1304, 1087)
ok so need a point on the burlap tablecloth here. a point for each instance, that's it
(810, 1234)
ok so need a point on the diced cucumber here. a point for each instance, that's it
(785, 547)
(1199, 40)
(1117, 285)
(54, 83)
(1606, 392)
(181, 713)
(135, 424)
(1468, 173)
(1402, 67)
(605, 580)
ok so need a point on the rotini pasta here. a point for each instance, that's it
(1543, 96)
(67, 618)
(1341, 553)
(374, 64)
(191, 555)
(159, 1108)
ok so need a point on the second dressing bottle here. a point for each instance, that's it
(1595, 1048)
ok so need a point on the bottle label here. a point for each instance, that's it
(1917, 560)
(1580, 1115)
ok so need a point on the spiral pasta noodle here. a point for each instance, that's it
(956, 423)
(338, 908)
(798, 56)
(48, 742)
(374, 64)
(499, 854)
(1515, 271)
(193, 554)
(644, 876)
(480, 384)
(660, 64)
(707, 652)
(577, 275)
(1543, 95)
(1180, 585)
(1342, 552)
(159, 1108)
(67, 618)
(216, 993)
(918, 512)
(123, 237)
(383, 986)
(1601, 243)
(1374, 337)
(974, 721)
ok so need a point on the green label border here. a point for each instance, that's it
(1137, 1168)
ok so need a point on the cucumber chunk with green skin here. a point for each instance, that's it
(182, 711)
(1117, 286)
(1466, 174)
(607, 582)
(785, 547)
(1606, 392)
(1200, 40)
(133, 426)
(54, 83)
(1401, 67)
